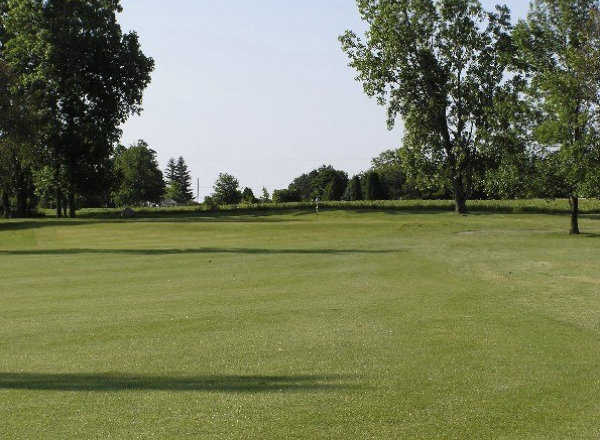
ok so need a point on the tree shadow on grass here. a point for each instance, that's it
(249, 251)
(17, 225)
(111, 382)
(590, 234)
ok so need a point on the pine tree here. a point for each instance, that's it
(171, 171)
(173, 190)
(184, 181)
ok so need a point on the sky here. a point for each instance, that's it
(256, 88)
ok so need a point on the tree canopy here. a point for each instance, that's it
(139, 179)
(440, 65)
(559, 53)
(84, 75)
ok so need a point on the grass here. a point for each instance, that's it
(351, 324)
(554, 206)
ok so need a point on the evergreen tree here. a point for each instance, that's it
(179, 181)
(171, 171)
(184, 181)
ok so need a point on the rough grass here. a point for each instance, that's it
(555, 206)
(290, 325)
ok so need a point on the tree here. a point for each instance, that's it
(87, 77)
(179, 181)
(439, 65)
(286, 196)
(226, 190)
(314, 184)
(390, 168)
(374, 188)
(248, 196)
(173, 191)
(559, 47)
(265, 198)
(139, 178)
(171, 172)
(354, 190)
(335, 188)
(185, 181)
(18, 153)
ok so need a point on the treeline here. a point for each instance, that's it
(489, 108)
(69, 78)
(397, 175)
(130, 176)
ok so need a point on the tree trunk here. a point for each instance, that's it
(71, 204)
(5, 204)
(21, 208)
(574, 202)
(58, 202)
(20, 194)
(460, 198)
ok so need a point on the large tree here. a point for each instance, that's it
(226, 190)
(559, 47)
(18, 152)
(439, 64)
(87, 75)
(138, 176)
(315, 184)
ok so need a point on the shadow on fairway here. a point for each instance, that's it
(590, 234)
(123, 382)
(249, 251)
(17, 225)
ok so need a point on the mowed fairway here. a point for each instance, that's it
(349, 325)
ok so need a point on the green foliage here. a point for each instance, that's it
(265, 198)
(226, 190)
(315, 183)
(439, 65)
(179, 181)
(171, 172)
(248, 196)
(82, 75)
(374, 188)
(542, 206)
(286, 196)
(139, 179)
(559, 49)
(353, 190)
(390, 168)
(336, 187)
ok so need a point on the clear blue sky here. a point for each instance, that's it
(256, 88)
